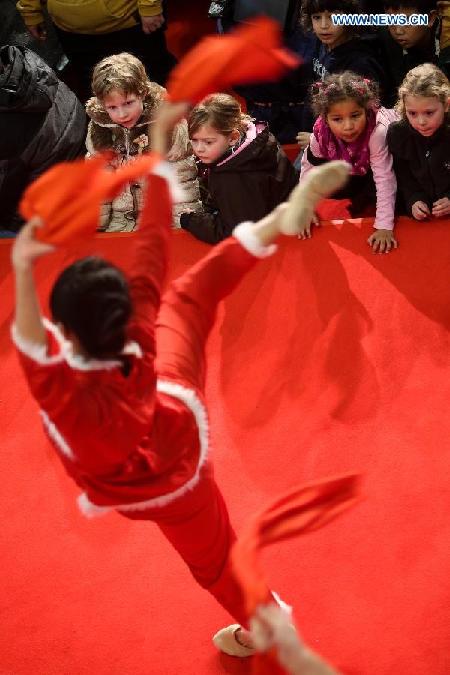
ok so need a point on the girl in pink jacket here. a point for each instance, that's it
(352, 126)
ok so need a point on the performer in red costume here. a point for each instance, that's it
(119, 375)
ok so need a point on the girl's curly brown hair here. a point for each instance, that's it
(340, 87)
(426, 80)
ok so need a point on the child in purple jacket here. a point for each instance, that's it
(352, 126)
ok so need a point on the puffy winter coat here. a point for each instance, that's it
(42, 123)
(121, 214)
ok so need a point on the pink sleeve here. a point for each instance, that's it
(384, 178)
(305, 163)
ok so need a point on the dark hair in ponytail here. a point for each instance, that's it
(91, 299)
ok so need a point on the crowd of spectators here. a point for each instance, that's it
(43, 108)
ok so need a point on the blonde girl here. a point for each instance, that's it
(420, 142)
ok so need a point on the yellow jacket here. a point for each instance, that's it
(89, 16)
(444, 10)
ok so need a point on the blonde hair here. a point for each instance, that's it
(222, 112)
(122, 72)
(426, 80)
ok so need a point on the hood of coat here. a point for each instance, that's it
(107, 134)
(260, 153)
(27, 84)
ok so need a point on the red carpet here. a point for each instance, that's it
(328, 359)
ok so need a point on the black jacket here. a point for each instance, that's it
(400, 61)
(247, 187)
(422, 165)
(41, 120)
(360, 55)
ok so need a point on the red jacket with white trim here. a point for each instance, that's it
(128, 441)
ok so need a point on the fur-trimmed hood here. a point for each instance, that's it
(103, 134)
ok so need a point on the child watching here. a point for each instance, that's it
(121, 111)
(243, 171)
(420, 142)
(115, 351)
(338, 48)
(408, 46)
(352, 126)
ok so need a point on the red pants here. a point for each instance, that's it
(197, 524)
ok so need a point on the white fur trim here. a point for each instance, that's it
(193, 403)
(34, 351)
(38, 353)
(78, 362)
(55, 435)
(246, 237)
(167, 171)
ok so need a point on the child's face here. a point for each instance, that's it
(209, 145)
(411, 36)
(425, 113)
(124, 109)
(347, 120)
(329, 34)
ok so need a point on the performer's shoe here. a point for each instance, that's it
(226, 641)
(320, 182)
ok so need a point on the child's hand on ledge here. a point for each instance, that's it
(441, 207)
(305, 232)
(382, 241)
(27, 248)
(420, 210)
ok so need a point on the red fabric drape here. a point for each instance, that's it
(300, 511)
(68, 196)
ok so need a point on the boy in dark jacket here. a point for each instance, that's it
(406, 47)
(42, 123)
(338, 48)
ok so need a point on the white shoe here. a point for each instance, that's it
(226, 641)
(320, 182)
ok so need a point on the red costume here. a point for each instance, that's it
(138, 442)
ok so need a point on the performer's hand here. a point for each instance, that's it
(382, 241)
(38, 31)
(151, 23)
(27, 248)
(271, 626)
(305, 232)
(166, 118)
(303, 139)
(420, 210)
(441, 207)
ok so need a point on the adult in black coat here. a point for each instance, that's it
(42, 123)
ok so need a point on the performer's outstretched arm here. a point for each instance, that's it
(28, 318)
(149, 266)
